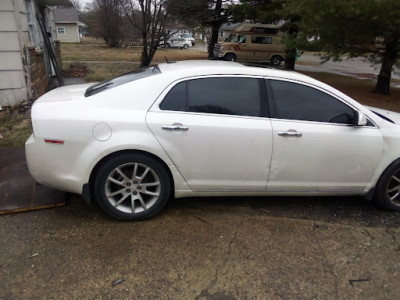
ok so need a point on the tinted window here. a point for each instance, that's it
(175, 99)
(265, 30)
(299, 102)
(233, 96)
(261, 40)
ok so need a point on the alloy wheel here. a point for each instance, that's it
(393, 188)
(132, 188)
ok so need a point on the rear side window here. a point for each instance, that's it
(299, 102)
(175, 99)
(125, 78)
(219, 95)
(261, 40)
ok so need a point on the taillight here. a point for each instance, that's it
(51, 141)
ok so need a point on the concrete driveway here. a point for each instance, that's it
(209, 248)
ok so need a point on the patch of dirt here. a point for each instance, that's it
(76, 70)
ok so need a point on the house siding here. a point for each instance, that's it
(71, 34)
(13, 33)
(24, 63)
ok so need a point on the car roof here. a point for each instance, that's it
(182, 69)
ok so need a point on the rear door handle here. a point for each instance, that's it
(290, 133)
(175, 127)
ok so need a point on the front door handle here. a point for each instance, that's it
(175, 127)
(290, 133)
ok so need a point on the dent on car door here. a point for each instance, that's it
(216, 132)
(316, 145)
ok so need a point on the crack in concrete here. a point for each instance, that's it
(205, 292)
(326, 264)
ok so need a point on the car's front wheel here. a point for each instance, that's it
(387, 194)
(185, 46)
(132, 186)
(230, 57)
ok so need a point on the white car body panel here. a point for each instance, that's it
(202, 152)
(265, 163)
(327, 157)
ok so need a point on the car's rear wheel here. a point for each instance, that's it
(132, 186)
(185, 46)
(387, 194)
(276, 60)
(230, 57)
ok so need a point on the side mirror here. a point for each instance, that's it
(360, 119)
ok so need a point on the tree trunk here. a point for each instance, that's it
(290, 59)
(388, 60)
(216, 25)
(145, 60)
(213, 40)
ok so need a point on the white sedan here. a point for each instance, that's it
(178, 43)
(211, 128)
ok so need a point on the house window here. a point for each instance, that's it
(60, 30)
(31, 22)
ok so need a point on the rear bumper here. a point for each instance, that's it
(61, 167)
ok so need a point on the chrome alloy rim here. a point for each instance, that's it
(393, 188)
(132, 188)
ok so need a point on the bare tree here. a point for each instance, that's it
(105, 19)
(77, 4)
(209, 13)
(149, 17)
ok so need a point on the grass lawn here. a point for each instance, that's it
(93, 60)
(103, 62)
(15, 127)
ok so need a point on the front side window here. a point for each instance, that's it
(219, 95)
(241, 39)
(299, 102)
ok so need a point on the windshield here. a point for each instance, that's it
(127, 77)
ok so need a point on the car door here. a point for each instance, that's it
(316, 146)
(216, 132)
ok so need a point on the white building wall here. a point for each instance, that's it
(13, 36)
(71, 33)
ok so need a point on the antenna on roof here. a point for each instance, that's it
(169, 61)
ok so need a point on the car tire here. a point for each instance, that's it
(387, 193)
(276, 60)
(167, 46)
(132, 186)
(230, 57)
(185, 46)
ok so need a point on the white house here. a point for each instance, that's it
(25, 65)
(67, 24)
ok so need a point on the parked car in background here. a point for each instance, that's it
(188, 37)
(176, 42)
(211, 128)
